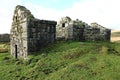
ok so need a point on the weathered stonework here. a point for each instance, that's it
(40, 33)
(29, 34)
(4, 38)
(97, 33)
(69, 29)
(64, 29)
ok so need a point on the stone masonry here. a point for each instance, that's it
(29, 34)
(69, 29)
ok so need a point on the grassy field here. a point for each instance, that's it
(65, 61)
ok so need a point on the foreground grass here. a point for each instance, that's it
(65, 61)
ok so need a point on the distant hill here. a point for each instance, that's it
(115, 35)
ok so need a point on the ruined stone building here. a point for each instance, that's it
(4, 38)
(69, 29)
(29, 34)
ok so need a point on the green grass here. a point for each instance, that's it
(4, 47)
(65, 61)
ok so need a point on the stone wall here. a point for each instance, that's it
(4, 38)
(98, 33)
(40, 33)
(81, 31)
(29, 34)
(78, 33)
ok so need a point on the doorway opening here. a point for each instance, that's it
(16, 52)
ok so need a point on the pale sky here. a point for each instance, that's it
(104, 12)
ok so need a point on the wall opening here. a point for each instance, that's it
(16, 55)
(63, 24)
(16, 19)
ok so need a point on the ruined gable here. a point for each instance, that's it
(18, 33)
(73, 29)
(64, 28)
(29, 34)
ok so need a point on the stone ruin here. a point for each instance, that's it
(69, 29)
(29, 34)
(4, 38)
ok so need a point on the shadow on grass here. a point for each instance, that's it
(58, 46)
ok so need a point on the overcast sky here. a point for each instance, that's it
(104, 12)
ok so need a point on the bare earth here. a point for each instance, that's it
(114, 39)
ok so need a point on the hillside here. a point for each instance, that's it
(115, 35)
(65, 61)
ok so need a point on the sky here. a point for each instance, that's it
(104, 12)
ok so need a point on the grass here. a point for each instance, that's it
(65, 61)
(4, 47)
